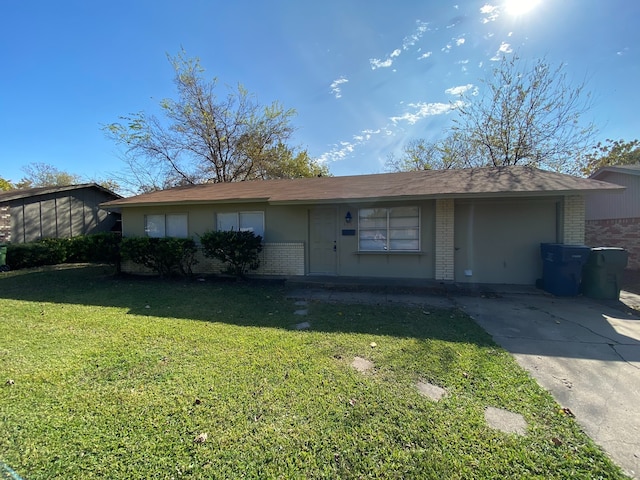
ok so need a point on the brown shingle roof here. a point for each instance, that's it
(34, 192)
(471, 182)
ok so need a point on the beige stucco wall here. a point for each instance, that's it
(288, 226)
(385, 264)
(498, 241)
(471, 241)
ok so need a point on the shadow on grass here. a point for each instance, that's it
(252, 303)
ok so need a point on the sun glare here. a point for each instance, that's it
(520, 7)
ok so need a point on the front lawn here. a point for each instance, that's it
(124, 378)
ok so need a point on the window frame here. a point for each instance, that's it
(165, 224)
(238, 215)
(384, 228)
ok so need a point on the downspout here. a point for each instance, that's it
(468, 272)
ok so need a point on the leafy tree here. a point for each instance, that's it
(614, 152)
(203, 138)
(5, 185)
(450, 152)
(45, 175)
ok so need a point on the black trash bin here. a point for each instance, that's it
(603, 272)
(562, 267)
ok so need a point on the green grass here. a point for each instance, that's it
(115, 377)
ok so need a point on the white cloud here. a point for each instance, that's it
(336, 90)
(377, 63)
(412, 39)
(343, 149)
(490, 12)
(425, 55)
(446, 48)
(460, 41)
(459, 90)
(504, 48)
(407, 42)
(422, 110)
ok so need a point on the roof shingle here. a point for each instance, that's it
(471, 182)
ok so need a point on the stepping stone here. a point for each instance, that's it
(430, 390)
(302, 326)
(301, 303)
(362, 364)
(301, 312)
(505, 420)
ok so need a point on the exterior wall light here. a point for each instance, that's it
(347, 217)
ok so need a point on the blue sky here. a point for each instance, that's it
(364, 76)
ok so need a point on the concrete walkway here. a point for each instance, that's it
(585, 353)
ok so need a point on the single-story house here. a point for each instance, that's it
(30, 214)
(481, 225)
(614, 220)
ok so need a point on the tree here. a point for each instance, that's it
(5, 185)
(206, 139)
(526, 117)
(453, 151)
(523, 117)
(615, 152)
(45, 175)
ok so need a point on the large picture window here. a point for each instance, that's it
(242, 221)
(394, 229)
(172, 225)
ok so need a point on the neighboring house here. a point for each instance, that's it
(31, 214)
(614, 220)
(480, 225)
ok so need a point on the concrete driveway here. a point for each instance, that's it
(585, 353)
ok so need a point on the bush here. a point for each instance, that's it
(49, 251)
(237, 250)
(165, 256)
(97, 248)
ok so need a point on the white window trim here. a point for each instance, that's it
(240, 212)
(387, 250)
(165, 215)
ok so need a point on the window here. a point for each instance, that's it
(172, 225)
(242, 221)
(389, 229)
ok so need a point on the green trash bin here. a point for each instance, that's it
(3, 258)
(603, 272)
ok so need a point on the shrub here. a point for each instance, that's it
(237, 250)
(100, 248)
(165, 256)
(49, 251)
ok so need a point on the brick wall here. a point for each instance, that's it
(282, 259)
(574, 223)
(285, 259)
(5, 225)
(618, 232)
(445, 215)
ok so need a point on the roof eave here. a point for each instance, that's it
(454, 195)
(124, 204)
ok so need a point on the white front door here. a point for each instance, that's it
(323, 241)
